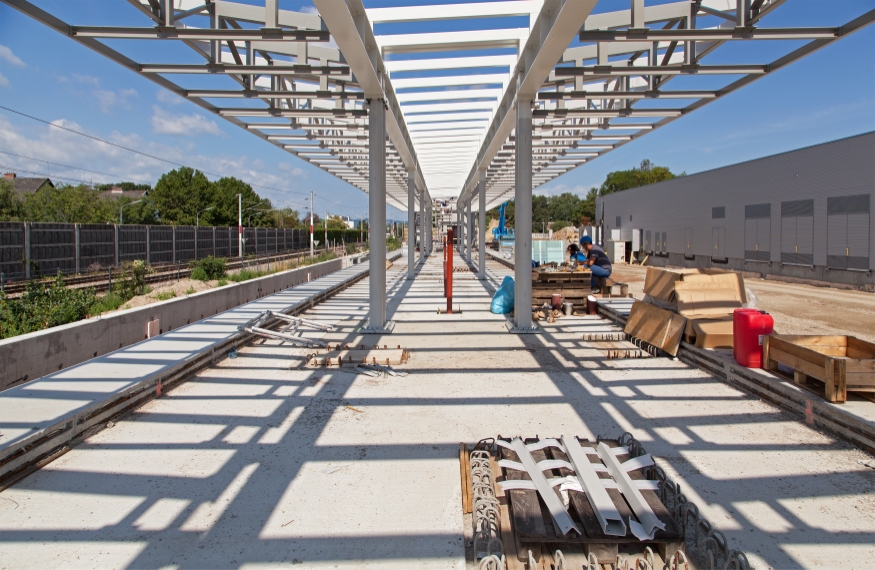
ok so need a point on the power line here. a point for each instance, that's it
(153, 157)
(43, 174)
(63, 165)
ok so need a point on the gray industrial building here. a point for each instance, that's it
(800, 214)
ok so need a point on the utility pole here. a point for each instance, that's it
(311, 223)
(240, 225)
(326, 228)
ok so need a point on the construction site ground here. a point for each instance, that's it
(261, 460)
(796, 308)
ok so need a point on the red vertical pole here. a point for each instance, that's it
(449, 280)
(445, 266)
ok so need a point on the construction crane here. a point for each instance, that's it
(501, 231)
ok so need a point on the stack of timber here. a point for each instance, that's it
(532, 528)
(830, 366)
(574, 286)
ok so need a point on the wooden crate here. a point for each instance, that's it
(533, 527)
(830, 366)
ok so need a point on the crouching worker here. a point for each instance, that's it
(597, 261)
(574, 255)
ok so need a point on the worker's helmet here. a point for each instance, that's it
(585, 239)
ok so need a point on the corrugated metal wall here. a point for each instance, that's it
(809, 207)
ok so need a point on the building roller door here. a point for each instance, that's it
(848, 232)
(757, 232)
(797, 232)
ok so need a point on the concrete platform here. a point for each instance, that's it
(38, 416)
(260, 461)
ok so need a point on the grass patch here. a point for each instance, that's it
(165, 295)
(190, 291)
(246, 275)
(109, 302)
(222, 282)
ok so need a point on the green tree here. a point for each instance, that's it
(224, 197)
(68, 204)
(645, 174)
(180, 194)
(11, 206)
(568, 208)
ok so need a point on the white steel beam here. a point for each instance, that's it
(351, 30)
(556, 26)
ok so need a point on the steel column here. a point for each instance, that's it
(411, 222)
(469, 228)
(377, 213)
(481, 243)
(523, 219)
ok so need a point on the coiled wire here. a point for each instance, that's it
(485, 509)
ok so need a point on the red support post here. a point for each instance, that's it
(449, 266)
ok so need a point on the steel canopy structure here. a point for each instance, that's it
(472, 99)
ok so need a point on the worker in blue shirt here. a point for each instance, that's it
(597, 261)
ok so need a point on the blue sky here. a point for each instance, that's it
(825, 96)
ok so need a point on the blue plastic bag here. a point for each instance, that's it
(502, 301)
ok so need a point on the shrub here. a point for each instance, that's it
(42, 306)
(132, 281)
(222, 282)
(350, 248)
(199, 274)
(393, 243)
(190, 291)
(208, 268)
(165, 295)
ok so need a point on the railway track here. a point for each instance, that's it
(164, 272)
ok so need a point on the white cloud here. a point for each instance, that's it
(292, 170)
(9, 57)
(166, 96)
(164, 123)
(3, 81)
(309, 10)
(43, 143)
(108, 100)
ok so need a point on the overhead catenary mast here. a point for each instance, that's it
(311, 224)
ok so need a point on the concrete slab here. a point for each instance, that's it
(269, 463)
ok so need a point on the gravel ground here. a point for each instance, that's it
(797, 309)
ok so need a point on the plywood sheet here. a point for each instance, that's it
(657, 327)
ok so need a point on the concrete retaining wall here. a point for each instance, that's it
(36, 354)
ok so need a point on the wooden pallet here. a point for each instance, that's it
(533, 527)
(829, 366)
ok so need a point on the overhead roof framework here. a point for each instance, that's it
(613, 85)
(271, 72)
(450, 77)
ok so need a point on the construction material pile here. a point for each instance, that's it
(569, 234)
(569, 502)
(700, 302)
